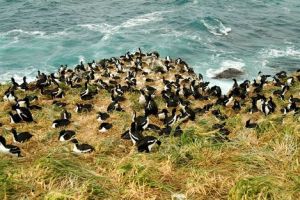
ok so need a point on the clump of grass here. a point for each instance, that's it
(143, 174)
(264, 127)
(157, 69)
(261, 187)
(62, 170)
(5, 181)
(11, 187)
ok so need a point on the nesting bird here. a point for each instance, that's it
(9, 149)
(81, 147)
(66, 135)
(20, 137)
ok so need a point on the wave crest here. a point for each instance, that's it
(215, 26)
(30, 72)
(277, 53)
(109, 30)
(19, 33)
(16, 32)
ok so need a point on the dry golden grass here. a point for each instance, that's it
(261, 163)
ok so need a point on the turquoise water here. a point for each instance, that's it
(253, 35)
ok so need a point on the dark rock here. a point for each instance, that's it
(229, 73)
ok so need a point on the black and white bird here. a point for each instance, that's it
(102, 116)
(58, 94)
(293, 99)
(163, 114)
(81, 148)
(14, 118)
(114, 106)
(49, 92)
(142, 122)
(59, 104)
(250, 125)
(25, 103)
(236, 105)
(104, 127)
(272, 106)
(15, 84)
(79, 108)
(147, 143)
(24, 114)
(134, 133)
(282, 92)
(142, 98)
(266, 108)
(151, 107)
(171, 120)
(9, 149)
(60, 123)
(86, 94)
(183, 116)
(65, 115)
(186, 109)
(290, 81)
(66, 135)
(21, 137)
(23, 86)
(10, 97)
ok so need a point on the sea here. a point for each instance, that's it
(252, 35)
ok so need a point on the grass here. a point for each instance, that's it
(261, 187)
(260, 163)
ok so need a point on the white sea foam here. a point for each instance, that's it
(109, 30)
(13, 41)
(277, 53)
(30, 72)
(143, 19)
(20, 31)
(16, 34)
(81, 59)
(225, 85)
(103, 28)
(216, 27)
(226, 64)
(182, 34)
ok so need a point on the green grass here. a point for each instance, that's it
(261, 187)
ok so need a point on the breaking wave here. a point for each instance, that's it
(277, 53)
(215, 26)
(226, 64)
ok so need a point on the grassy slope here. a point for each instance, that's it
(257, 164)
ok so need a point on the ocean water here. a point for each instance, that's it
(209, 35)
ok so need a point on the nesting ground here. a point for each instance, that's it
(260, 163)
